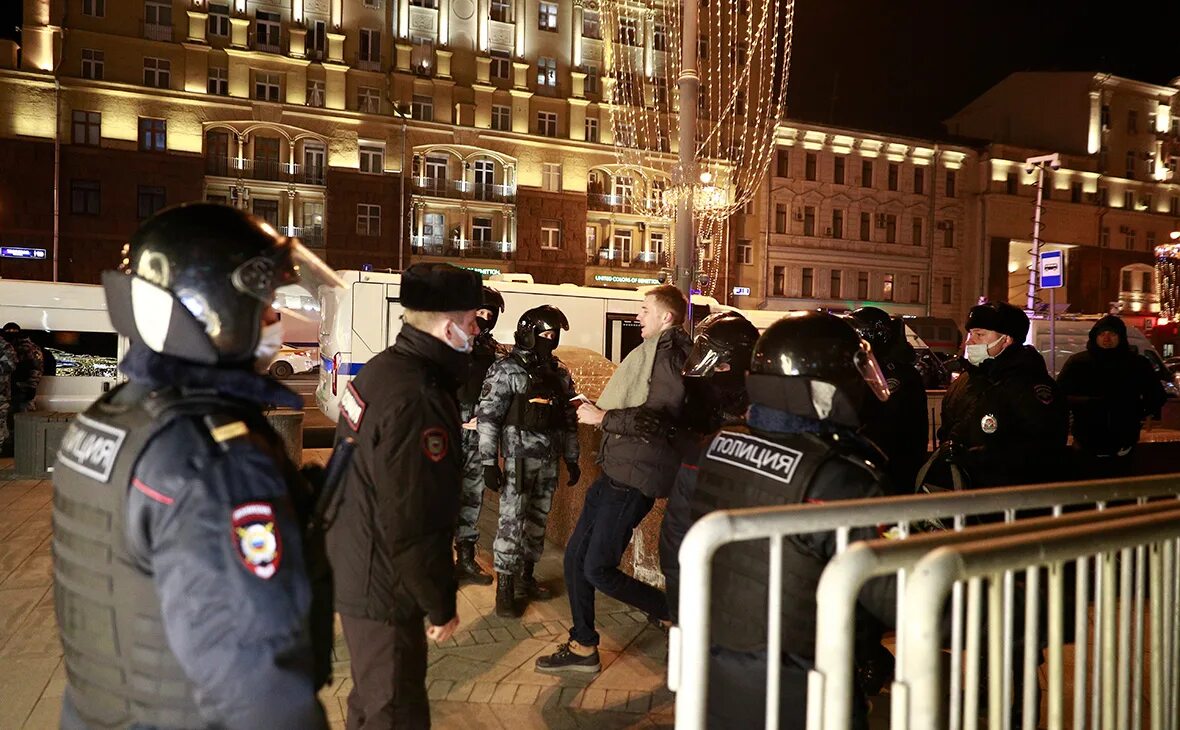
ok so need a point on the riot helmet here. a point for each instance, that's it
(721, 338)
(877, 328)
(814, 364)
(715, 372)
(493, 302)
(196, 279)
(538, 320)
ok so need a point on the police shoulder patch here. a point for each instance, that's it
(255, 534)
(90, 448)
(754, 454)
(434, 444)
(352, 407)
(1044, 393)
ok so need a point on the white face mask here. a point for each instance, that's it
(270, 341)
(976, 354)
(459, 334)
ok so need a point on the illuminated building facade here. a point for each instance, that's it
(1113, 200)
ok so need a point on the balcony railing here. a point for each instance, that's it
(265, 169)
(267, 45)
(369, 64)
(461, 248)
(617, 203)
(464, 190)
(624, 259)
(157, 32)
(310, 236)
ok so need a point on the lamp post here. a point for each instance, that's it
(689, 83)
(1038, 163)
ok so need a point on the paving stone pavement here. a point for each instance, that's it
(481, 678)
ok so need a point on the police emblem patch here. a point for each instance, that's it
(894, 384)
(352, 407)
(434, 444)
(988, 423)
(256, 537)
(1043, 393)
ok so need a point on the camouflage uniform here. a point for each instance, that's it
(525, 413)
(27, 377)
(8, 360)
(484, 352)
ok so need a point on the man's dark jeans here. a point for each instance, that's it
(609, 516)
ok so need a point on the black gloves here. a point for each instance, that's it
(493, 478)
(575, 472)
(653, 426)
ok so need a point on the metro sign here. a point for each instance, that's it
(16, 252)
(741, 291)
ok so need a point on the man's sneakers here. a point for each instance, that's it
(571, 657)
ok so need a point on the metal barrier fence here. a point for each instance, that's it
(831, 681)
(1146, 543)
(688, 657)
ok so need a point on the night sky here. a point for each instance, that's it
(905, 65)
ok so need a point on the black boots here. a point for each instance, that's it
(466, 569)
(528, 587)
(505, 596)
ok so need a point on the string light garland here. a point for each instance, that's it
(743, 61)
(1167, 278)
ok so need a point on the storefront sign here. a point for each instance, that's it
(617, 279)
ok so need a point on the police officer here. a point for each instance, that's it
(390, 543)
(715, 397)
(484, 351)
(29, 368)
(810, 378)
(526, 413)
(900, 426)
(179, 568)
(7, 367)
(1003, 420)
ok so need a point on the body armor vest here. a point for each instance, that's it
(541, 406)
(743, 470)
(120, 667)
(483, 354)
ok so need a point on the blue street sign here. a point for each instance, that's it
(741, 291)
(1052, 270)
(16, 252)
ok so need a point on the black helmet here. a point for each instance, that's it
(196, 278)
(493, 301)
(723, 337)
(877, 328)
(815, 365)
(545, 318)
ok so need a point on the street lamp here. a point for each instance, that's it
(1038, 164)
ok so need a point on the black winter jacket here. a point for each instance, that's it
(1109, 392)
(900, 427)
(1006, 420)
(390, 541)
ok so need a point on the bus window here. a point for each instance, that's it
(71, 354)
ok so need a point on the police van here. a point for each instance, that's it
(364, 318)
(70, 324)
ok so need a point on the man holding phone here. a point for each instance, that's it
(636, 470)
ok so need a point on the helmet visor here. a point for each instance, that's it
(304, 280)
(703, 359)
(866, 365)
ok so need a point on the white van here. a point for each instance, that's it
(69, 322)
(1073, 334)
(363, 319)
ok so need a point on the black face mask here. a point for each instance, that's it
(544, 346)
(485, 325)
(12, 336)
